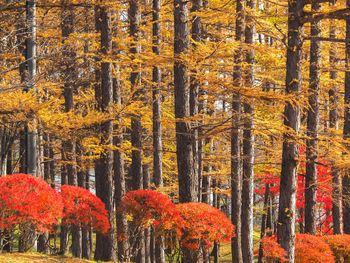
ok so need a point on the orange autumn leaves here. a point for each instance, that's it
(194, 225)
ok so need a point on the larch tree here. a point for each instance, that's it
(105, 244)
(156, 110)
(313, 120)
(346, 129)
(337, 209)
(290, 151)
(69, 145)
(248, 142)
(236, 169)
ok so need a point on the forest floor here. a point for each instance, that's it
(38, 258)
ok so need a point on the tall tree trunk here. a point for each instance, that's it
(248, 145)
(313, 119)
(290, 150)
(31, 136)
(236, 169)
(337, 209)
(194, 89)
(187, 187)
(346, 131)
(69, 144)
(105, 244)
(157, 127)
(119, 176)
(184, 151)
(134, 14)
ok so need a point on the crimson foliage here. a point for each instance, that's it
(83, 208)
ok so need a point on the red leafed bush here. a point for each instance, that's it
(28, 201)
(148, 207)
(204, 224)
(272, 250)
(309, 248)
(339, 244)
(83, 208)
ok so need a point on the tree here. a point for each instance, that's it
(105, 244)
(236, 172)
(248, 144)
(290, 154)
(184, 153)
(313, 119)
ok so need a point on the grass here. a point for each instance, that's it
(32, 257)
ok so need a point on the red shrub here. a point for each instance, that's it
(148, 207)
(81, 207)
(204, 224)
(28, 202)
(309, 248)
(273, 251)
(339, 244)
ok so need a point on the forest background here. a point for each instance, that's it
(203, 100)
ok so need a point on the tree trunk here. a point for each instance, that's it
(236, 169)
(290, 150)
(184, 153)
(119, 177)
(313, 119)
(64, 237)
(264, 221)
(346, 131)
(337, 209)
(248, 146)
(105, 244)
(134, 14)
(31, 136)
(69, 144)
(157, 126)
(194, 89)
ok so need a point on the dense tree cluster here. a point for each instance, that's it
(204, 100)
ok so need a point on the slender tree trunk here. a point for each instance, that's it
(105, 244)
(337, 209)
(64, 237)
(290, 151)
(194, 89)
(157, 127)
(264, 221)
(236, 169)
(346, 131)
(313, 119)
(119, 176)
(134, 14)
(248, 145)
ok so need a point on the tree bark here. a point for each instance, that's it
(194, 90)
(264, 221)
(184, 153)
(135, 76)
(346, 131)
(248, 145)
(337, 209)
(236, 169)
(157, 125)
(290, 150)
(105, 244)
(31, 136)
(313, 119)
(119, 177)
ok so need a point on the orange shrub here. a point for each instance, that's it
(309, 248)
